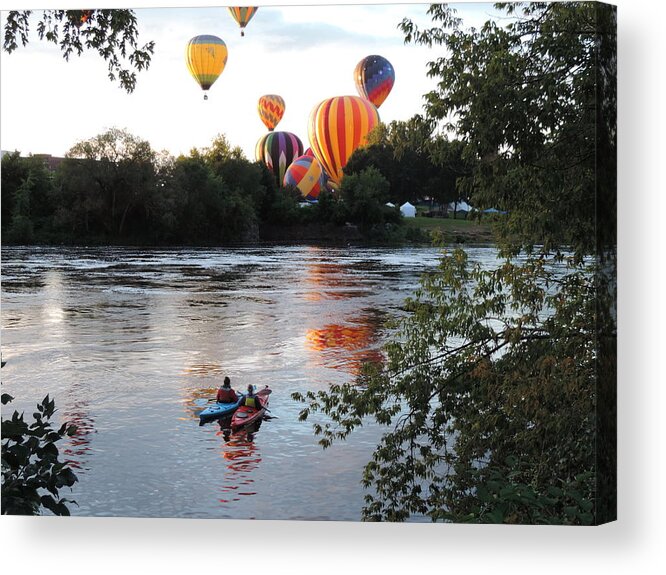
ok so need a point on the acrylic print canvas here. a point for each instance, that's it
(340, 263)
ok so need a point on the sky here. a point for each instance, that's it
(303, 53)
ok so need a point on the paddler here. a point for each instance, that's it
(252, 399)
(226, 394)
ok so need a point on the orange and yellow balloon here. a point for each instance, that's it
(336, 128)
(271, 109)
(242, 15)
(206, 58)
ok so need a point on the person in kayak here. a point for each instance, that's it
(226, 394)
(251, 398)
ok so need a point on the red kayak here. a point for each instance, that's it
(246, 415)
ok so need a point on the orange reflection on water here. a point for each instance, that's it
(328, 281)
(348, 337)
(242, 457)
(345, 346)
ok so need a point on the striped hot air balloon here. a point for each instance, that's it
(206, 57)
(337, 127)
(280, 150)
(259, 150)
(374, 77)
(306, 174)
(271, 109)
(242, 15)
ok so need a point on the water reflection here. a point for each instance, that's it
(197, 399)
(204, 369)
(242, 457)
(326, 279)
(78, 446)
(346, 346)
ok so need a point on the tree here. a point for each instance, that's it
(498, 389)
(117, 169)
(533, 101)
(113, 34)
(416, 163)
(210, 212)
(365, 195)
(27, 189)
(32, 474)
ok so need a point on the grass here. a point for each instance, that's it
(458, 230)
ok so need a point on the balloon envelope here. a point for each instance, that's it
(336, 128)
(242, 15)
(271, 109)
(206, 58)
(259, 153)
(306, 174)
(374, 77)
(280, 150)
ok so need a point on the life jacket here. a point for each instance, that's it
(225, 395)
(251, 402)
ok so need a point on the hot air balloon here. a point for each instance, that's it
(242, 15)
(271, 109)
(280, 150)
(206, 58)
(374, 77)
(306, 174)
(79, 17)
(259, 153)
(337, 127)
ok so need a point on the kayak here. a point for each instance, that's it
(218, 410)
(244, 415)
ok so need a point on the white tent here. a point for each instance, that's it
(407, 210)
(462, 207)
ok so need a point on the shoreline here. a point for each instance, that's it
(453, 232)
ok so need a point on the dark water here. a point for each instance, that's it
(132, 344)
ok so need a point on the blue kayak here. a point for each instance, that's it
(218, 410)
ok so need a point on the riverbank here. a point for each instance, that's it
(413, 231)
(451, 230)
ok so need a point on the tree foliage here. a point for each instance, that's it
(32, 473)
(118, 169)
(489, 395)
(113, 188)
(416, 162)
(533, 100)
(365, 195)
(498, 387)
(113, 34)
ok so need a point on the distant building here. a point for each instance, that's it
(51, 162)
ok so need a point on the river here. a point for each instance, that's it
(133, 343)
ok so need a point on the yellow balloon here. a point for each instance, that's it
(206, 57)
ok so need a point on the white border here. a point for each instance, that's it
(632, 544)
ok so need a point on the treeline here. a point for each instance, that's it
(115, 189)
